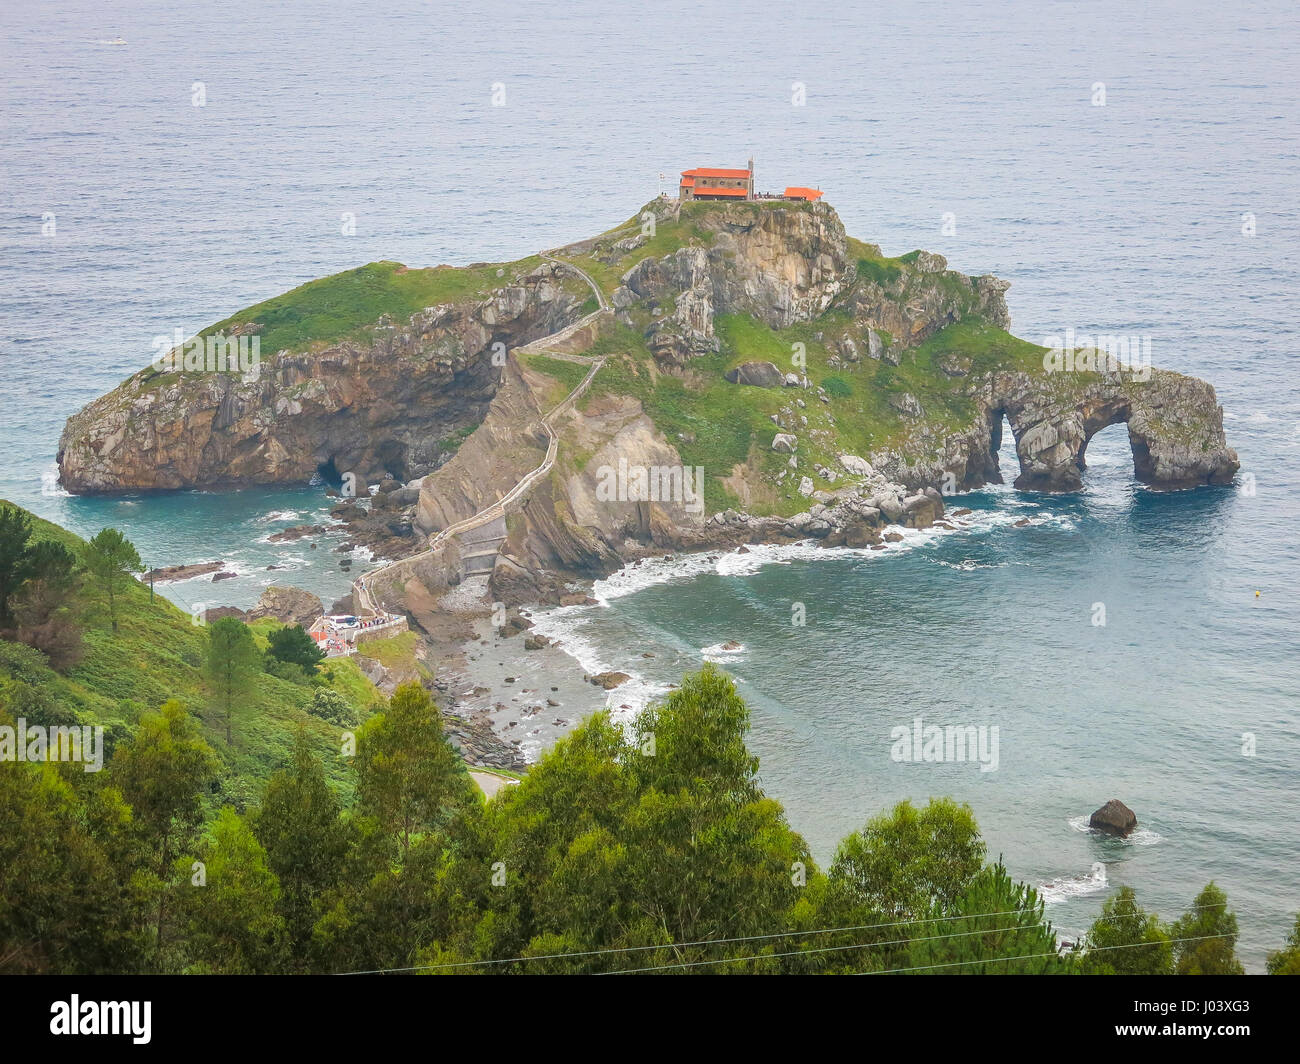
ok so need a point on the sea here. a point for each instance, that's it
(1131, 169)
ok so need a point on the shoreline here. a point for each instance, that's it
(532, 698)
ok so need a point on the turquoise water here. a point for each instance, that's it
(993, 626)
(1124, 219)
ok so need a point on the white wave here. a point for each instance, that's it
(1055, 891)
(564, 625)
(1139, 836)
(722, 652)
(280, 515)
(1144, 837)
(967, 565)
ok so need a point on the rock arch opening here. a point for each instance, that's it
(1002, 447)
(1050, 447)
(1109, 453)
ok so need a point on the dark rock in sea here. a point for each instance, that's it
(296, 532)
(513, 626)
(610, 680)
(1114, 818)
(536, 642)
(223, 576)
(180, 572)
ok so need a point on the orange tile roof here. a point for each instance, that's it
(688, 182)
(705, 171)
(803, 193)
(707, 190)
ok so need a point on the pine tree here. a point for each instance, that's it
(1125, 940)
(299, 826)
(163, 772)
(1208, 931)
(15, 562)
(227, 906)
(111, 559)
(408, 777)
(231, 667)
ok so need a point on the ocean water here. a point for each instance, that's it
(967, 129)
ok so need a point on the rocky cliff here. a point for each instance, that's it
(394, 397)
(762, 376)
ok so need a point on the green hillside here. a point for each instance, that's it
(156, 655)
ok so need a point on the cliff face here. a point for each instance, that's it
(1175, 429)
(388, 403)
(786, 266)
(813, 386)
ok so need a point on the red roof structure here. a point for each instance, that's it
(709, 171)
(726, 183)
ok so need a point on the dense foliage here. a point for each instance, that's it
(648, 848)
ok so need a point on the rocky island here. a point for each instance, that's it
(704, 376)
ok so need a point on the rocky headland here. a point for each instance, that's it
(706, 376)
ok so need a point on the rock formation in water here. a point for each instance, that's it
(764, 377)
(1114, 818)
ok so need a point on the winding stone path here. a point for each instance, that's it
(362, 589)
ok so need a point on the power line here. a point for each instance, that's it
(897, 942)
(1031, 956)
(821, 949)
(746, 938)
(683, 945)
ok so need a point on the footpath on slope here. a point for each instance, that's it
(362, 589)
